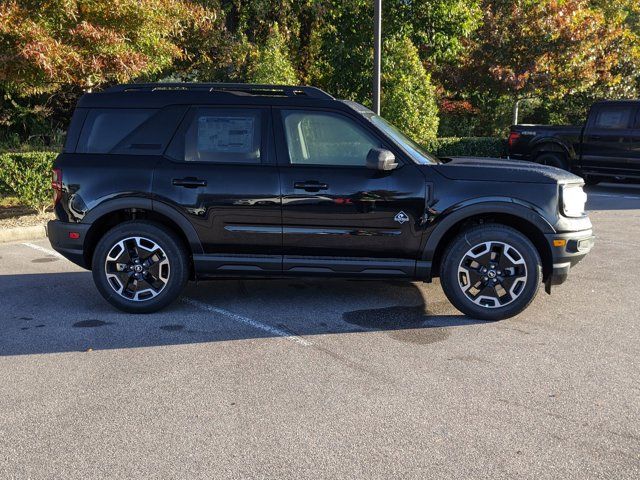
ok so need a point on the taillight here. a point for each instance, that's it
(56, 184)
(513, 138)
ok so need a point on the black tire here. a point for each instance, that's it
(455, 269)
(557, 160)
(169, 260)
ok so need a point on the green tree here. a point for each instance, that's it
(271, 62)
(408, 98)
(438, 27)
(343, 53)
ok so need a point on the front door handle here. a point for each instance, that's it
(189, 182)
(310, 186)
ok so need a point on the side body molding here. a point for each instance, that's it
(450, 217)
(172, 214)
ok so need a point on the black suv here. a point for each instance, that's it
(162, 183)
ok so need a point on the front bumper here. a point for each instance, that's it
(567, 249)
(60, 237)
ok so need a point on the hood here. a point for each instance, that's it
(502, 170)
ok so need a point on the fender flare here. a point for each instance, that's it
(459, 213)
(559, 146)
(122, 203)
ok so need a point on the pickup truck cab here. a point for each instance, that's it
(606, 147)
(162, 183)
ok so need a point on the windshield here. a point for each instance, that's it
(412, 148)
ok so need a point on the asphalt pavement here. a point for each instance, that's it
(324, 378)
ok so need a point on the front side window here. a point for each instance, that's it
(323, 138)
(220, 135)
(613, 118)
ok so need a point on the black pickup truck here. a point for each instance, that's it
(606, 147)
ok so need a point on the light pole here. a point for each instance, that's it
(377, 44)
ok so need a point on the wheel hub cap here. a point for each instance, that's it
(137, 268)
(492, 274)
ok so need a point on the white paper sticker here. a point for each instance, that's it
(226, 134)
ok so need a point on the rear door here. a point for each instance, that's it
(220, 172)
(607, 144)
(333, 205)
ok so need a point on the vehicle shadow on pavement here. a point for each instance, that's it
(63, 312)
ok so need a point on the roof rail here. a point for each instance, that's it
(232, 88)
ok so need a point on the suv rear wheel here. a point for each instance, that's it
(491, 272)
(140, 267)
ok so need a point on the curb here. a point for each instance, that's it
(22, 233)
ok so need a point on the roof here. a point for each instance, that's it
(618, 102)
(157, 95)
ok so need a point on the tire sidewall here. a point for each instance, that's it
(553, 160)
(484, 233)
(173, 248)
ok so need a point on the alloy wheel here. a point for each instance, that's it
(492, 274)
(137, 268)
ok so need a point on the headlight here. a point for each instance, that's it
(573, 200)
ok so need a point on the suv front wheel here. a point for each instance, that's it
(491, 272)
(140, 267)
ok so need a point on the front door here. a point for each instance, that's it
(333, 205)
(608, 141)
(219, 171)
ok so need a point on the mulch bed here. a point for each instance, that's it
(19, 216)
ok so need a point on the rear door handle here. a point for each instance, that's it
(310, 186)
(189, 182)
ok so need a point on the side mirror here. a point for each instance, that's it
(381, 159)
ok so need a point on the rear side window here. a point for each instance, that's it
(613, 118)
(220, 135)
(105, 128)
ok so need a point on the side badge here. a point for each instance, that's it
(401, 217)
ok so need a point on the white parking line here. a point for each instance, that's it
(48, 251)
(203, 306)
(248, 321)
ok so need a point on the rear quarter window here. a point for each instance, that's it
(105, 128)
(130, 131)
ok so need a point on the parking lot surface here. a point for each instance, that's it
(324, 378)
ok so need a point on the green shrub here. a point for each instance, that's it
(468, 147)
(271, 62)
(28, 177)
(408, 99)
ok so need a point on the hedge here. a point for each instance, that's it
(468, 146)
(28, 177)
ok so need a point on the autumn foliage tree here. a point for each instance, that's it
(550, 50)
(45, 44)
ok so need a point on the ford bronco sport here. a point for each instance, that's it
(162, 183)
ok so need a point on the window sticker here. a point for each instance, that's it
(226, 134)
